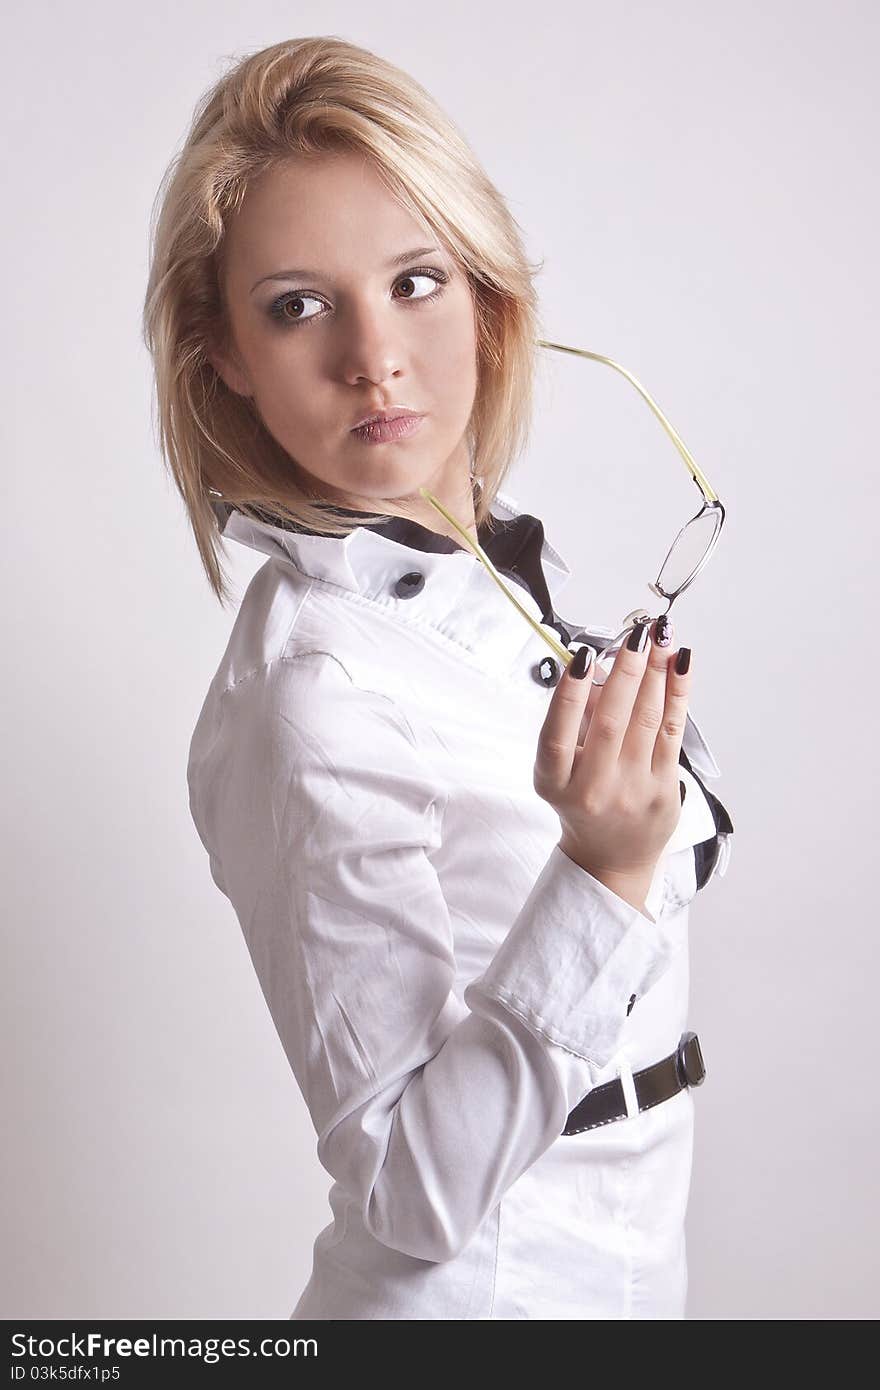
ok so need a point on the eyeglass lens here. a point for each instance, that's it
(690, 546)
(688, 550)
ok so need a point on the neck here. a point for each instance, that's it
(459, 502)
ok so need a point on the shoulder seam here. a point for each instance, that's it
(364, 689)
(266, 666)
(255, 670)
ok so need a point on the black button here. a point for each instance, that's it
(548, 671)
(408, 585)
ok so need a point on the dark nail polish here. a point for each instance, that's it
(638, 637)
(683, 661)
(683, 790)
(578, 665)
(662, 631)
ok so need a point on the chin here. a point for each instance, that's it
(397, 481)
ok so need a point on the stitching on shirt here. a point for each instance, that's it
(406, 728)
(264, 665)
(528, 1014)
(367, 690)
(385, 610)
(293, 657)
(399, 618)
(392, 614)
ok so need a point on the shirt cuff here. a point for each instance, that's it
(574, 957)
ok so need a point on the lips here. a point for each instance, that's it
(394, 412)
(388, 428)
(379, 420)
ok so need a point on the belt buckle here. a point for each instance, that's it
(689, 1062)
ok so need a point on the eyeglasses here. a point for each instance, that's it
(685, 559)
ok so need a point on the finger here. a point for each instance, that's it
(647, 714)
(604, 737)
(667, 745)
(592, 701)
(557, 741)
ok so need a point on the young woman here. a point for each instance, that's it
(462, 871)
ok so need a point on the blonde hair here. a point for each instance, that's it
(307, 97)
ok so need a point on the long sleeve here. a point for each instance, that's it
(323, 821)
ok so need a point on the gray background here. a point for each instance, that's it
(701, 179)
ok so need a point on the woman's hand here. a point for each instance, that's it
(608, 759)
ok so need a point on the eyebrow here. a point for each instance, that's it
(316, 274)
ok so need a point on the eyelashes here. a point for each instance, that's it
(278, 306)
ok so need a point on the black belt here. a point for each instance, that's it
(683, 1067)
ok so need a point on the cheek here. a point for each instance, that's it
(452, 354)
(286, 393)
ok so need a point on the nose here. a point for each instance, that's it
(371, 345)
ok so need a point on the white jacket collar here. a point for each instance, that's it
(369, 559)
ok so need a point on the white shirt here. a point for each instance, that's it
(446, 983)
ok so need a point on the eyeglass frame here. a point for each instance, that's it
(711, 504)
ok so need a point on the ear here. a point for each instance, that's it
(229, 368)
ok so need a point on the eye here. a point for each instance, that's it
(292, 300)
(433, 277)
(288, 308)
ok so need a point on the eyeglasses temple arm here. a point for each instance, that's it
(562, 652)
(696, 473)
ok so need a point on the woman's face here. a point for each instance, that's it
(336, 313)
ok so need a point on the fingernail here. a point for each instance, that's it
(683, 660)
(683, 789)
(638, 638)
(580, 662)
(663, 631)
